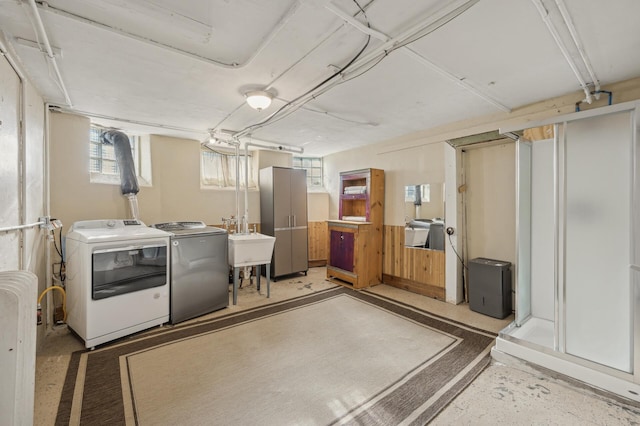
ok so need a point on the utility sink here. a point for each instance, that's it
(415, 237)
(250, 249)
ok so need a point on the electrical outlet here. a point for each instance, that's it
(450, 230)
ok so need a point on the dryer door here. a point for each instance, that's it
(127, 269)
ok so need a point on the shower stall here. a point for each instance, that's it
(578, 252)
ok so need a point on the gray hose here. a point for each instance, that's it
(122, 148)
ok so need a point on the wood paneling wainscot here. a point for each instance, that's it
(413, 269)
(318, 242)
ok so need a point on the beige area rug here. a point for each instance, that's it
(333, 357)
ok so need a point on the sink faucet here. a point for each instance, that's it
(244, 227)
(229, 223)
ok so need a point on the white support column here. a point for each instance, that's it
(453, 267)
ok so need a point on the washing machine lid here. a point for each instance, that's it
(188, 228)
(90, 231)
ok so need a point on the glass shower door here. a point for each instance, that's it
(598, 239)
(523, 232)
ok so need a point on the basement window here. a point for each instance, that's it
(417, 194)
(103, 167)
(218, 169)
(313, 166)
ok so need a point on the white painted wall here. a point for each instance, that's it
(318, 206)
(490, 201)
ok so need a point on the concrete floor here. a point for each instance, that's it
(513, 394)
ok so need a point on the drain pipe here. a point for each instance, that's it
(236, 145)
(285, 148)
(544, 13)
(576, 40)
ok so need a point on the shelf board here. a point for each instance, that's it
(353, 196)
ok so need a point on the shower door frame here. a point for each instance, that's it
(559, 350)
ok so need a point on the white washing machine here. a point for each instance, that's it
(117, 279)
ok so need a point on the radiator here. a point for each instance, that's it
(18, 302)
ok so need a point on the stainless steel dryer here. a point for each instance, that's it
(199, 269)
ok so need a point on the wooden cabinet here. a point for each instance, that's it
(342, 249)
(355, 240)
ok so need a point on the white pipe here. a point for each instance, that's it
(20, 227)
(355, 23)
(436, 21)
(245, 229)
(124, 120)
(574, 35)
(286, 148)
(236, 146)
(50, 55)
(9, 53)
(410, 52)
(234, 65)
(47, 212)
(544, 13)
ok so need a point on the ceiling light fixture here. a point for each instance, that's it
(259, 99)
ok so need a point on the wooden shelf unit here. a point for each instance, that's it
(355, 240)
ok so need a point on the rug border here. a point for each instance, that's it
(424, 311)
(405, 310)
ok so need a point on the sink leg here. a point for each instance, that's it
(258, 277)
(236, 273)
(268, 273)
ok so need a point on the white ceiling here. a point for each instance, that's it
(180, 68)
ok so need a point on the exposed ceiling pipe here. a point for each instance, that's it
(574, 35)
(435, 21)
(123, 120)
(410, 52)
(49, 51)
(355, 23)
(234, 65)
(544, 13)
(335, 116)
(9, 54)
(236, 149)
